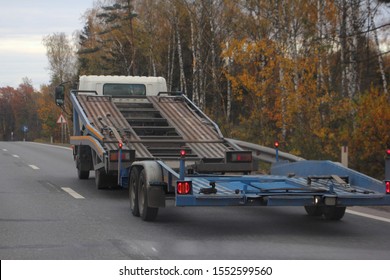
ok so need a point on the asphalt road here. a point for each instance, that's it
(47, 213)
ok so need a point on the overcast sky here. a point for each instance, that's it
(23, 24)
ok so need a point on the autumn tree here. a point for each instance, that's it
(60, 54)
(18, 111)
(371, 136)
(7, 120)
(48, 114)
(310, 107)
(108, 38)
(265, 70)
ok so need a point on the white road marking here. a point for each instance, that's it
(5, 150)
(368, 216)
(16, 156)
(73, 193)
(34, 167)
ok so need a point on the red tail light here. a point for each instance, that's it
(387, 187)
(184, 187)
(239, 156)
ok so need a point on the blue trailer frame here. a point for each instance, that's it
(304, 183)
(317, 185)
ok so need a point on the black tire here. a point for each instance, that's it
(83, 175)
(147, 213)
(101, 179)
(313, 211)
(133, 191)
(334, 213)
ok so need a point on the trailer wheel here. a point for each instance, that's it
(133, 191)
(334, 213)
(147, 213)
(313, 211)
(101, 179)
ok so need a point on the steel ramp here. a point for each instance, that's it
(103, 114)
(196, 131)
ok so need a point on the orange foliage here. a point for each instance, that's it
(371, 136)
(48, 113)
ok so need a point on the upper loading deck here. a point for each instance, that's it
(156, 127)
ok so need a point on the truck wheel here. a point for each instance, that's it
(313, 211)
(83, 175)
(100, 179)
(133, 191)
(334, 213)
(147, 213)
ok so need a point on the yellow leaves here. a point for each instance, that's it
(370, 136)
(373, 119)
(47, 112)
(280, 97)
(254, 66)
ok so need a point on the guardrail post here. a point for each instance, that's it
(387, 165)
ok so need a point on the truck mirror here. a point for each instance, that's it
(59, 95)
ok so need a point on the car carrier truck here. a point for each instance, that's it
(134, 134)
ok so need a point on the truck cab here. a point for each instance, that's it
(123, 85)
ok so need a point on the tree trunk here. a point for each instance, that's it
(320, 25)
(380, 58)
(183, 84)
(171, 60)
(214, 81)
(353, 27)
(343, 46)
(195, 77)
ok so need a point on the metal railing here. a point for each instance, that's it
(263, 153)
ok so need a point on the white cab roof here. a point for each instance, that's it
(154, 85)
